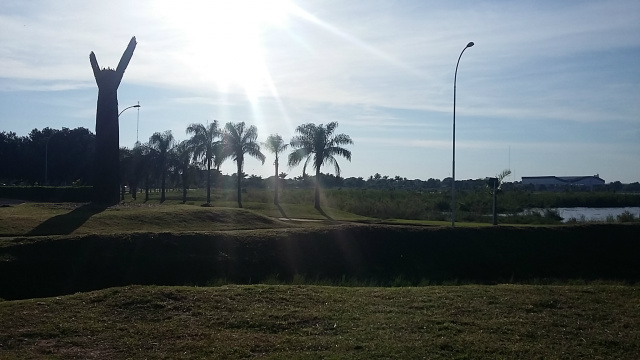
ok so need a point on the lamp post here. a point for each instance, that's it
(137, 121)
(129, 107)
(453, 164)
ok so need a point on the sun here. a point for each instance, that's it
(221, 41)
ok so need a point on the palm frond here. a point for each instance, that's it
(342, 139)
(296, 156)
(332, 161)
(304, 168)
(336, 150)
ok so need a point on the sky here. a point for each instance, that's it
(550, 87)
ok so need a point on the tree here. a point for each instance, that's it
(13, 153)
(106, 173)
(183, 153)
(495, 185)
(219, 157)
(206, 147)
(318, 144)
(239, 140)
(145, 158)
(276, 145)
(126, 169)
(162, 144)
(136, 172)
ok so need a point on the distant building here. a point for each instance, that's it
(563, 181)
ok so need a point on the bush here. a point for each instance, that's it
(626, 216)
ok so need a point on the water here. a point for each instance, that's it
(594, 214)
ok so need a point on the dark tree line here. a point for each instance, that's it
(65, 158)
(47, 156)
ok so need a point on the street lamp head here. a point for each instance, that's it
(136, 106)
(470, 44)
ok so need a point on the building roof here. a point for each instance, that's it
(565, 179)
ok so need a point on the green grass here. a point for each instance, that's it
(311, 322)
(78, 219)
(298, 211)
(292, 321)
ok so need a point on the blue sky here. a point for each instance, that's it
(550, 87)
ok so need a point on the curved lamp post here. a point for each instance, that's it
(453, 164)
(129, 107)
(137, 121)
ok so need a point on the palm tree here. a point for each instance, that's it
(206, 147)
(126, 170)
(143, 167)
(276, 145)
(220, 155)
(495, 186)
(183, 152)
(320, 144)
(162, 144)
(239, 141)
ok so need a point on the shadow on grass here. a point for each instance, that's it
(324, 214)
(67, 223)
(284, 214)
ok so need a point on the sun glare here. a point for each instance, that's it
(222, 40)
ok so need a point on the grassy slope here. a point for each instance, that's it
(474, 322)
(65, 219)
(77, 219)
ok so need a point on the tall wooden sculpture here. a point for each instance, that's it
(106, 167)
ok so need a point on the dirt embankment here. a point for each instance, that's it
(33, 267)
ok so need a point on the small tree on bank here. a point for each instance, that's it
(495, 186)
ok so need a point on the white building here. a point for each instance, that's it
(561, 181)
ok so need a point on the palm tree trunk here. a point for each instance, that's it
(208, 182)
(317, 191)
(146, 188)
(275, 188)
(239, 183)
(184, 186)
(163, 185)
(218, 178)
(495, 205)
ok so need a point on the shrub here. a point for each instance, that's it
(626, 216)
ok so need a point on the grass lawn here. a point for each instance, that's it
(451, 322)
(30, 219)
(300, 321)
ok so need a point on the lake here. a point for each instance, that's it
(594, 214)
